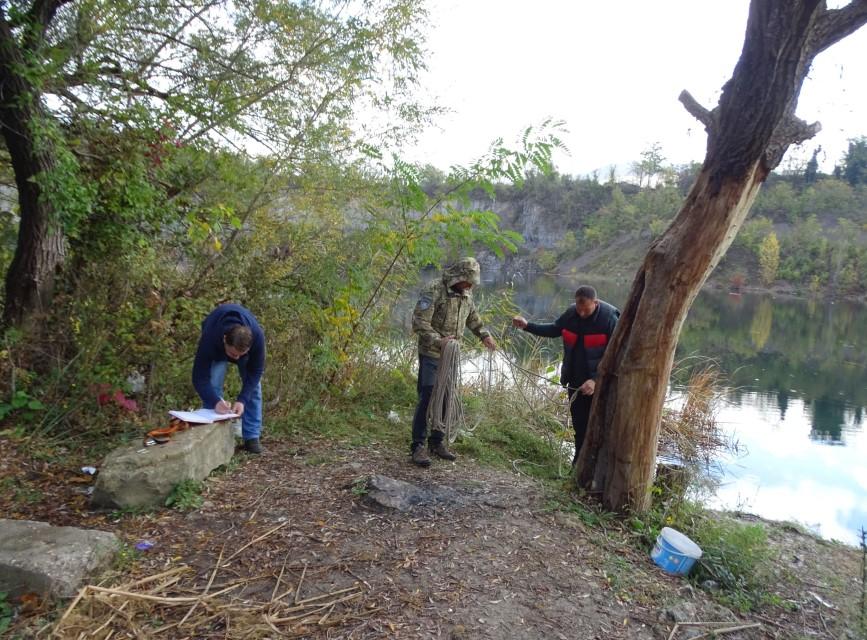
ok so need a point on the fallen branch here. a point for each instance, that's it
(719, 632)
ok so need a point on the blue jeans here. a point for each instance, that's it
(251, 419)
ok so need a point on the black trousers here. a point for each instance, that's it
(579, 407)
(427, 372)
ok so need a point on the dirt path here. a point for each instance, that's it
(493, 562)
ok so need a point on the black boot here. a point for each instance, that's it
(420, 456)
(437, 446)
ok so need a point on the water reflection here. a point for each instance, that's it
(815, 351)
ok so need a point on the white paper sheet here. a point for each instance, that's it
(202, 416)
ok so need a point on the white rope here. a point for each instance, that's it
(445, 412)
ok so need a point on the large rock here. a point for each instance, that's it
(51, 561)
(403, 496)
(135, 476)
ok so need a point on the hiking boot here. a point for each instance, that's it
(440, 450)
(420, 456)
(252, 446)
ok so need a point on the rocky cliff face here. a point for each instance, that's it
(530, 220)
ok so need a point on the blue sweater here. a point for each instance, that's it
(211, 349)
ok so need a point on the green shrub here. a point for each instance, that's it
(185, 496)
(5, 613)
(737, 556)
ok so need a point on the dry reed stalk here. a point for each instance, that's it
(108, 622)
(208, 586)
(300, 582)
(320, 608)
(279, 578)
(163, 599)
(156, 576)
(717, 632)
(259, 539)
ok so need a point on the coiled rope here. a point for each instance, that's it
(446, 412)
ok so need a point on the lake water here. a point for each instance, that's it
(796, 392)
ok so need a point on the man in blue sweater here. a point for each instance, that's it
(230, 333)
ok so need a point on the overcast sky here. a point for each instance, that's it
(612, 70)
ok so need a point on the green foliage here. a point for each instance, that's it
(769, 258)
(830, 196)
(646, 213)
(777, 200)
(855, 162)
(6, 612)
(185, 496)
(590, 513)
(126, 558)
(22, 405)
(547, 260)
(21, 490)
(359, 487)
(754, 231)
(738, 557)
(651, 166)
(511, 435)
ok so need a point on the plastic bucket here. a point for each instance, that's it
(674, 552)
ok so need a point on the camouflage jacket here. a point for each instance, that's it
(443, 311)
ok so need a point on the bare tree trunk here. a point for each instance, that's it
(748, 133)
(41, 246)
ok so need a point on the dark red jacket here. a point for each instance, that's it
(584, 340)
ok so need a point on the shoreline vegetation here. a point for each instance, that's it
(781, 289)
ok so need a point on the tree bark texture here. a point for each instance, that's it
(40, 249)
(748, 133)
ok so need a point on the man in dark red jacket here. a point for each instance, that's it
(586, 328)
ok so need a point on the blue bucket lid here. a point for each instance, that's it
(680, 542)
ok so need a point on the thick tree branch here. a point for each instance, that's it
(836, 24)
(39, 18)
(790, 131)
(697, 111)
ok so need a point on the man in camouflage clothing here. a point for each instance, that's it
(443, 309)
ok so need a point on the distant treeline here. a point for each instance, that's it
(806, 228)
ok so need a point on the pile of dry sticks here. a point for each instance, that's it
(171, 600)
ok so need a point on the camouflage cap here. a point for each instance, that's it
(464, 270)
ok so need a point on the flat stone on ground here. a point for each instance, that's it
(403, 496)
(36, 557)
(135, 476)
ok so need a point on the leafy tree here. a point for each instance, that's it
(778, 201)
(753, 232)
(855, 162)
(828, 197)
(811, 171)
(650, 166)
(769, 258)
(192, 73)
